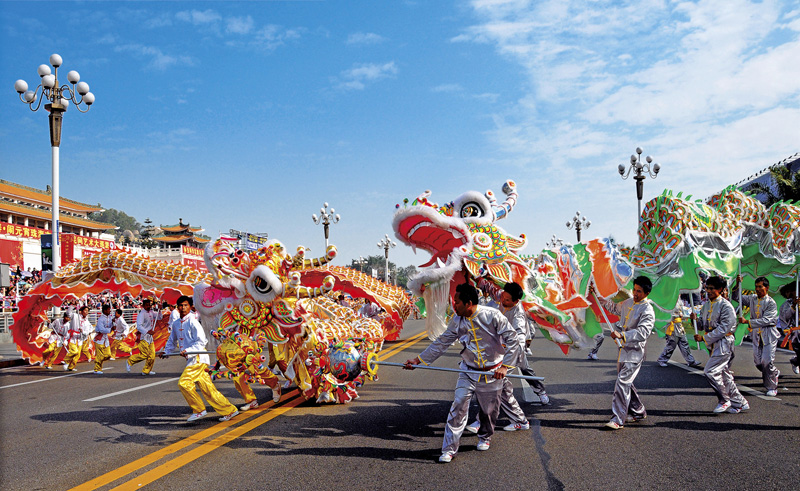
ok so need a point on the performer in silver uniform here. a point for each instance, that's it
(718, 320)
(787, 320)
(764, 332)
(483, 332)
(636, 322)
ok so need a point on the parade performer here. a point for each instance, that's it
(718, 320)
(676, 337)
(764, 332)
(58, 338)
(79, 331)
(145, 325)
(482, 332)
(507, 302)
(787, 318)
(104, 326)
(636, 322)
(120, 332)
(188, 335)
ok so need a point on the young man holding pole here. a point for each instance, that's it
(788, 320)
(490, 346)
(763, 326)
(718, 320)
(636, 322)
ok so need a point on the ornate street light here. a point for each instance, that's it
(385, 243)
(361, 262)
(579, 223)
(639, 169)
(59, 97)
(555, 242)
(326, 218)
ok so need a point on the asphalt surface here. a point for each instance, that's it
(62, 430)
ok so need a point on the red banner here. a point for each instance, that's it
(22, 231)
(11, 253)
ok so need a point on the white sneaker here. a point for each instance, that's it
(128, 367)
(662, 364)
(518, 426)
(113, 358)
(544, 399)
(149, 373)
(446, 457)
(474, 427)
(99, 372)
(230, 416)
(276, 394)
(722, 407)
(196, 416)
(483, 445)
(796, 369)
(613, 425)
(592, 356)
(250, 405)
(737, 410)
(66, 368)
(772, 393)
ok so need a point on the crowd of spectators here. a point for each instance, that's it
(21, 281)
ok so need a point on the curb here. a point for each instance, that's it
(13, 363)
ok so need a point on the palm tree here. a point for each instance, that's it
(785, 186)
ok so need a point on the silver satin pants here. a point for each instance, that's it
(626, 400)
(509, 403)
(488, 396)
(719, 376)
(764, 358)
(682, 344)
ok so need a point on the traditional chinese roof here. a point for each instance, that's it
(40, 197)
(30, 211)
(171, 239)
(181, 227)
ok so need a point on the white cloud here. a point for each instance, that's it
(157, 58)
(356, 78)
(239, 25)
(711, 86)
(364, 38)
(198, 17)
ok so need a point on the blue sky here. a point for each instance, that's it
(250, 115)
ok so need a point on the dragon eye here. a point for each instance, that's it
(239, 252)
(235, 260)
(471, 210)
(261, 285)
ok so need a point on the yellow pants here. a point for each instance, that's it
(244, 389)
(86, 349)
(147, 353)
(196, 375)
(101, 354)
(74, 351)
(118, 345)
(50, 354)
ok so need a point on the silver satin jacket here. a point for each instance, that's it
(482, 337)
(718, 320)
(763, 317)
(636, 322)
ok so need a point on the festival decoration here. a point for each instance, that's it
(271, 321)
(116, 271)
(466, 245)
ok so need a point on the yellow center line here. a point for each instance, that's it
(205, 448)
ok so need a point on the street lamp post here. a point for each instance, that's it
(579, 223)
(326, 218)
(639, 169)
(59, 97)
(361, 262)
(385, 243)
(554, 242)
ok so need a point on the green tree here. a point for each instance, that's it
(147, 234)
(121, 219)
(786, 186)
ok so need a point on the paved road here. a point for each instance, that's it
(62, 430)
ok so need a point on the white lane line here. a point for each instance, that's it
(131, 390)
(742, 388)
(50, 378)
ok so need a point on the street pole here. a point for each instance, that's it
(326, 218)
(640, 171)
(59, 97)
(385, 243)
(579, 223)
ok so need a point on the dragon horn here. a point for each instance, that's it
(315, 262)
(510, 190)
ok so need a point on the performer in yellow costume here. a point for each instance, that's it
(145, 324)
(187, 335)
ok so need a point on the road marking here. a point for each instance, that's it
(195, 453)
(742, 388)
(49, 378)
(131, 390)
(149, 459)
(291, 400)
